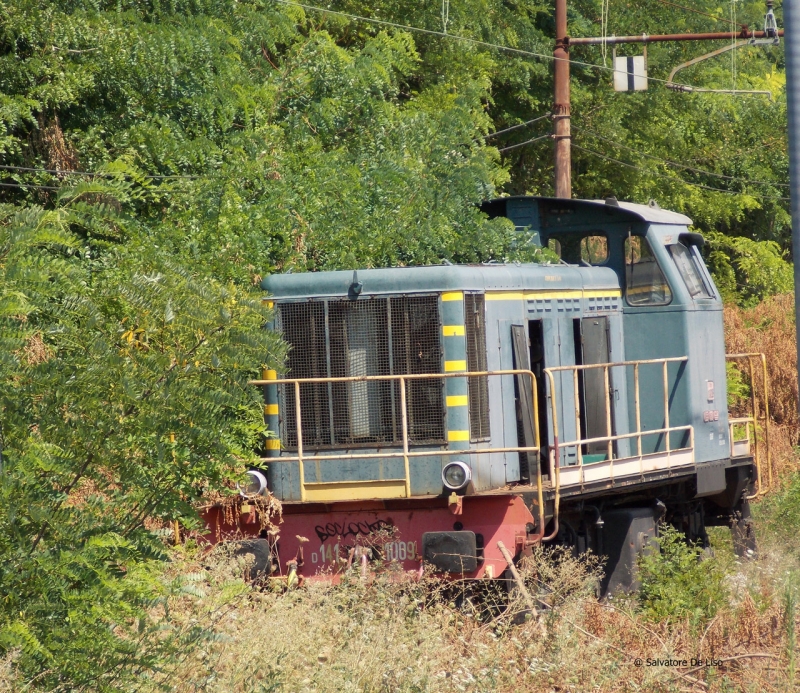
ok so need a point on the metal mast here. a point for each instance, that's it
(791, 23)
(561, 131)
(561, 105)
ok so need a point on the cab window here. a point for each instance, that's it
(692, 276)
(594, 250)
(589, 250)
(645, 283)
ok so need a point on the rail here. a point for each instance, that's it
(405, 453)
(753, 420)
(609, 439)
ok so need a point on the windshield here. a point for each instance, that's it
(691, 273)
(645, 283)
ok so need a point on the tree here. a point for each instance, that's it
(179, 153)
(124, 398)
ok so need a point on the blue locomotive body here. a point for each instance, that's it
(593, 385)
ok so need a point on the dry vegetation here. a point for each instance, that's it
(384, 634)
(381, 634)
(769, 328)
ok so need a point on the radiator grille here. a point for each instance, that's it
(368, 336)
(416, 348)
(304, 325)
(475, 330)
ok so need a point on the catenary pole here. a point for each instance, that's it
(561, 101)
(791, 23)
(561, 129)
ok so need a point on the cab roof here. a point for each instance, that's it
(551, 206)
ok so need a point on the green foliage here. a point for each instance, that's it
(108, 351)
(747, 271)
(677, 584)
(780, 511)
(738, 388)
(229, 140)
(307, 153)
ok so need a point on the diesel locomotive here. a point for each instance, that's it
(465, 414)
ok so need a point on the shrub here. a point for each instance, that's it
(747, 271)
(677, 584)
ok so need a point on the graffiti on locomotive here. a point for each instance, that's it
(379, 535)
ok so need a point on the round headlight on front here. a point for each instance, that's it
(253, 484)
(456, 475)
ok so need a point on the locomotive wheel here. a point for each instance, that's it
(260, 550)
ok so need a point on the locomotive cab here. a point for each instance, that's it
(670, 307)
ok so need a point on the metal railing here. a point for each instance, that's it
(612, 437)
(753, 420)
(406, 453)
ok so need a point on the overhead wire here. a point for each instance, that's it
(517, 127)
(733, 47)
(686, 167)
(521, 144)
(655, 174)
(457, 37)
(29, 185)
(98, 174)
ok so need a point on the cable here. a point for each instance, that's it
(733, 47)
(8, 167)
(420, 30)
(700, 12)
(26, 185)
(457, 37)
(466, 39)
(701, 171)
(520, 144)
(517, 127)
(673, 179)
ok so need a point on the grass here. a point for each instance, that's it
(385, 634)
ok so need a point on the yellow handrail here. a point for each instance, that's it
(609, 439)
(755, 419)
(406, 454)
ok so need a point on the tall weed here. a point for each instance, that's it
(677, 584)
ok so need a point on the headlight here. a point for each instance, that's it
(254, 484)
(456, 475)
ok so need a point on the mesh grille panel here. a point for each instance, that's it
(377, 336)
(416, 348)
(475, 330)
(303, 326)
(359, 345)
